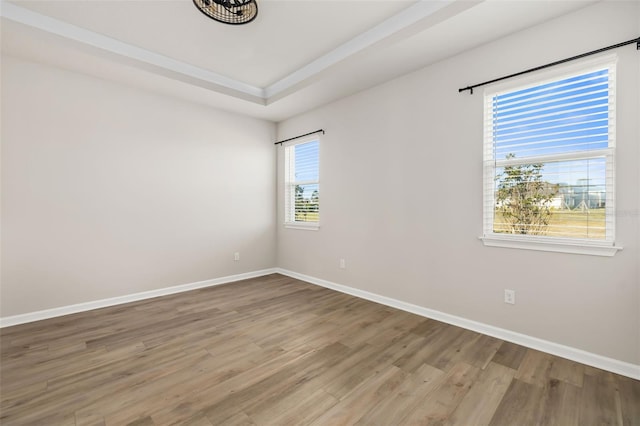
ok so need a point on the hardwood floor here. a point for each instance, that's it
(277, 351)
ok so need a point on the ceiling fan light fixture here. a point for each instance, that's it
(233, 12)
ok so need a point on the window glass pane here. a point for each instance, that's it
(306, 203)
(307, 158)
(549, 151)
(557, 199)
(302, 196)
(569, 115)
(554, 86)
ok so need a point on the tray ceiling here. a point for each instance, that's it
(295, 56)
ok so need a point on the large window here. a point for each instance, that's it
(302, 184)
(549, 163)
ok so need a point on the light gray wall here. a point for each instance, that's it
(109, 191)
(401, 197)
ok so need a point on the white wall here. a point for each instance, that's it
(392, 153)
(109, 191)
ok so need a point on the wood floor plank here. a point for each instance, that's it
(275, 384)
(18, 393)
(240, 419)
(445, 398)
(480, 403)
(427, 327)
(145, 421)
(89, 419)
(441, 347)
(561, 404)
(396, 326)
(629, 392)
(94, 396)
(206, 391)
(427, 346)
(199, 421)
(298, 411)
(143, 365)
(297, 394)
(535, 368)
(452, 351)
(477, 351)
(345, 383)
(521, 405)
(598, 401)
(277, 351)
(363, 398)
(510, 355)
(567, 371)
(412, 392)
(172, 387)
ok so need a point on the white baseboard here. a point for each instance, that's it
(578, 355)
(574, 354)
(103, 303)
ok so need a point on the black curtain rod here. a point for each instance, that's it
(573, 58)
(301, 136)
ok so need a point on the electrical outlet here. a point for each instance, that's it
(236, 256)
(510, 296)
(343, 264)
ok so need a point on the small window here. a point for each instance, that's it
(302, 184)
(549, 163)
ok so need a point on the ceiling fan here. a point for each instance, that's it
(234, 12)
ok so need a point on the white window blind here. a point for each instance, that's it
(549, 159)
(302, 184)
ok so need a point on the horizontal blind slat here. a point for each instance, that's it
(567, 125)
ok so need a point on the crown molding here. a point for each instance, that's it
(400, 21)
(159, 63)
(178, 70)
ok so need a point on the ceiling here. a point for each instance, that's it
(296, 55)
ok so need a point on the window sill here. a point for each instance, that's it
(302, 225)
(554, 245)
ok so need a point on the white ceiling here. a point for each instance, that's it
(296, 55)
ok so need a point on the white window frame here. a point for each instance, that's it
(290, 184)
(605, 247)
